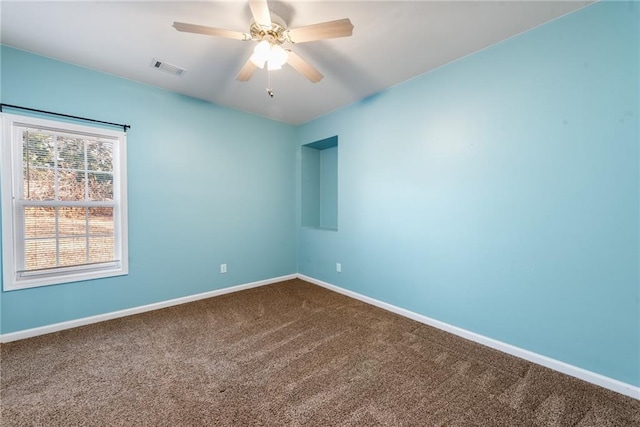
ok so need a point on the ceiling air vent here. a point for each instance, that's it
(169, 68)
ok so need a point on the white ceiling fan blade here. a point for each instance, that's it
(247, 71)
(303, 67)
(211, 31)
(260, 12)
(323, 30)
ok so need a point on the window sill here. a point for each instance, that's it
(35, 282)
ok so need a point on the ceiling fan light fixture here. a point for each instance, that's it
(261, 54)
(271, 54)
(277, 57)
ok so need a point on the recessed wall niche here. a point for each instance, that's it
(320, 184)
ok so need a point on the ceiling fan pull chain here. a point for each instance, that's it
(269, 88)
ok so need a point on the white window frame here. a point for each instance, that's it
(12, 229)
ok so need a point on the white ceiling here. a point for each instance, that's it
(392, 41)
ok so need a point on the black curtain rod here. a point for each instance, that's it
(124, 127)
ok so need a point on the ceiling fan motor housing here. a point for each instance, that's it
(275, 34)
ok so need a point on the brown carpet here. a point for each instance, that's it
(286, 354)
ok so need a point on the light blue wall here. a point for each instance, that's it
(500, 193)
(329, 188)
(310, 192)
(203, 190)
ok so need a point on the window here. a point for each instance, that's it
(64, 211)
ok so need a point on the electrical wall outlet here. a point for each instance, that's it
(223, 268)
(338, 267)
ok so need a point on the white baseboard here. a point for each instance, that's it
(556, 365)
(28, 333)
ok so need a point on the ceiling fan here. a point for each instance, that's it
(271, 32)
